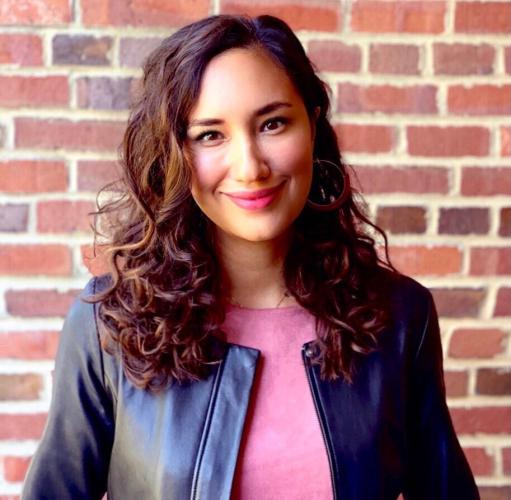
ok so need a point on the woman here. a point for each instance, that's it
(248, 341)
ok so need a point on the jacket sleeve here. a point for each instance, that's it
(438, 467)
(72, 459)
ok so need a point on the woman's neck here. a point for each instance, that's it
(253, 271)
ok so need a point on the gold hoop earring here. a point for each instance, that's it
(330, 186)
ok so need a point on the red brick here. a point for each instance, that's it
(43, 259)
(419, 260)
(479, 100)
(20, 387)
(58, 216)
(9, 497)
(494, 381)
(39, 303)
(456, 383)
(505, 221)
(466, 220)
(94, 260)
(13, 217)
(485, 181)
(134, 51)
(463, 59)
(386, 98)
(85, 50)
(59, 133)
(477, 343)
(29, 345)
(490, 420)
(405, 16)
(399, 220)
(33, 91)
(21, 425)
(505, 141)
(503, 303)
(490, 261)
(448, 141)
(45, 12)
(385, 179)
(142, 12)
(93, 175)
(507, 60)
(315, 15)
(495, 492)
(506, 460)
(482, 17)
(365, 138)
(105, 93)
(393, 58)
(26, 176)
(15, 468)
(481, 462)
(22, 50)
(458, 302)
(331, 55)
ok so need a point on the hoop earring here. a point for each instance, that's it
(330, 186)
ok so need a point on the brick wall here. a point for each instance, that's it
(422, 101)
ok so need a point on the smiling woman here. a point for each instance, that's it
(248, 340)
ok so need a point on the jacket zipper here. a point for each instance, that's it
(315, 398)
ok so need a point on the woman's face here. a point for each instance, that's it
(251, 144)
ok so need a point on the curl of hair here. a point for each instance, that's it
(165, 299)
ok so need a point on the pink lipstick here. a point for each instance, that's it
(254, 200)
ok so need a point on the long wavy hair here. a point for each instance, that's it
(164, 301)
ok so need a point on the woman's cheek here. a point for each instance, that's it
(207, 170)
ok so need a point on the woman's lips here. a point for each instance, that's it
(254, 200)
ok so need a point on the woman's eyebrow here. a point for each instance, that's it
(268, 108)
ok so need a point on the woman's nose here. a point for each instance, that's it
(247, 162)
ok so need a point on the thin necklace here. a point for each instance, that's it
(286, 294)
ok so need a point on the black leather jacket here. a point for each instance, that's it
(389, 432)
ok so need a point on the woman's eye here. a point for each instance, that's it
(274, 124)
(208, 136)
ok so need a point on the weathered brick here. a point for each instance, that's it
(398, 220)
(20, 387)
(21, 426)
(94, 259)
(365, 138)
(489, 419)
(505, 221)
(490, 261)
(506, 460)
(21, 49)
(466, 220)
(463, 59)
(133, 51)
(479, 100)
(2, 136)
(507, 60)
(401, 16)
(59, 133)
(458, 302)
(81, 50)
(33, 91)
(332, 55)
(420, 260)
(477, 343)
(505, 141)
(481, 462)
(394, 58)
(503, 302)
(448, 141)
(485, 181)
(495, 492)
(45, 12)
(50, 219)
(26, 176)
(386, 179)
(417, 99)
(456, 383)
(315, 15)
(29, 345)
(39, 303)
(93, 175)
(483, 17)
(142, 12)
(15, 468)
(104, 92)
(30, 260)
(13, 217)
(494, 381)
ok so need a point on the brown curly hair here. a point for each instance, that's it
(165, 300)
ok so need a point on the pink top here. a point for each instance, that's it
(282, 453)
